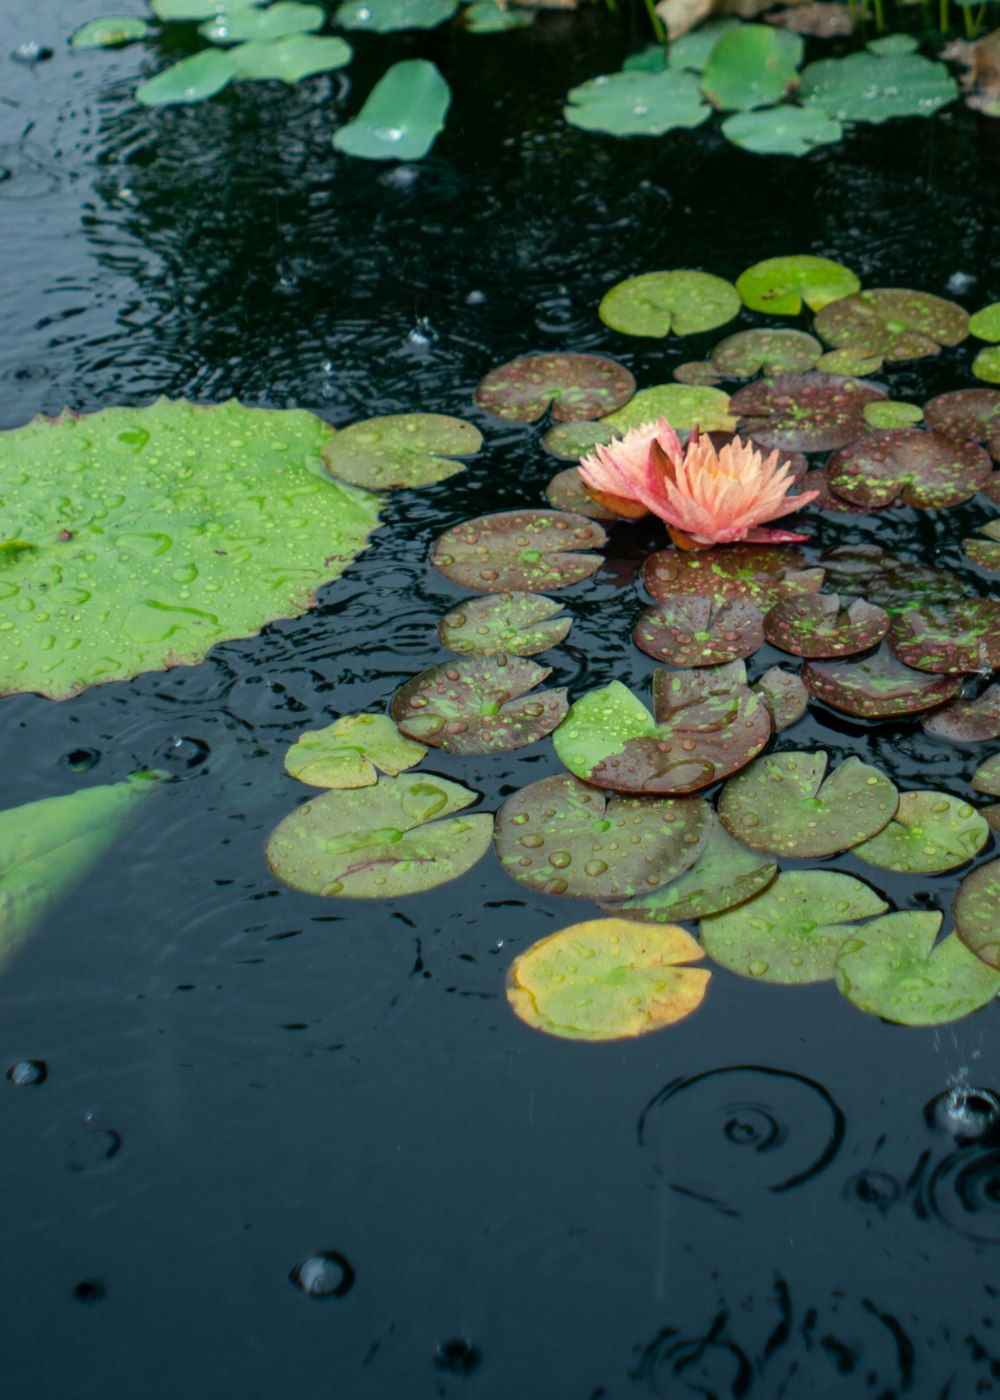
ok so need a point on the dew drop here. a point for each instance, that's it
(326, 1274)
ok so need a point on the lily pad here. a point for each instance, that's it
(491, 17)
(753, 65)
(519, 551)
(276, 21)
(783, 803)
(290, 60)
(986, 365)
(656, 303)
(187, 10)
(926, 469)
(508, 624)
(157, 532)
(562, 836)
(931, 831)
(977, 912)
(571, 441)
(566, 492)
(856, 363)
(637, 104)
(894, 322)
(867, 87)
(892, 413)
(607, 979)
(689, 629)
(401, 449)
(684, 406)
(573, 386)
(892, 969)
(968, 721)
(817, 625)
(984, 325)
(701, 373)
(388, 16)
(949, 637)
(891, 44)
(879, 687)
(380, 842)
(402, 116)
(193, 79)
(476, 706)
(967, 413)
(987, 777)
(826, 498)
(759, 573)
(350, 752)
(781, 285)
(784, 695)
(692, 50)
(782, 131)
(886, 580)
(792, 932)
(771, 351)
(109, 31)
(804, 412)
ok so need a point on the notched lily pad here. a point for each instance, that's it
(949, 637)
(925, 469)
(519, 551)
(781, 285)
(931, 831)
(804, 412)
(573, 386)
(635, 103)
(350, 752)
(571, 441)
(868, 87)
(753, 65)
(566, 492)
(889, 582)
(401, 449)
(879, 687)
(689, 629)
(658, 303)
(504, 624)
(684, 406)
(977, 912)
(894, 322)
(817, 625)
(479, 705)
(759, 573)
(768, 351)
(968, 721)
(784, 695)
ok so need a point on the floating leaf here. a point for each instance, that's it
(987, 777)
(782, 803)
(782, 131)
(109, 31)
(562, 836)
(968, 721)
(160, 531)
(475, 706)
(387, 16)
(816, 625)
(401, 449)
(656, 303)
(986, 365)
(520, 551)
(684, 407)
(637, 104)
(571, 441)
(701, 373)
(492, 17)
(191, 80)
(792, 932)
(784, 695)
(926, 469)
(977, 912)
(984, 325)
(852, 362)
(197, 9)
(931, 831)
(950, 637)
(894, 322)
(509, 624)
(771, 351)
(277, 21)
(752, 65)
(880, 687)
(290, 60)
(864, 87)
(573, 386)
(346, 753)
(967, 413)
(760, 573)
(892, 44)
(692, 50)
(804, 412)
(402, 115)
(826, 498)
(566, 492)
(885, 580)
(781, 285)
(607, 979)
(890, 413)
(892, 969)
(689, 629)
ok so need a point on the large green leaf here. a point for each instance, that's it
(656, 303)
(193, 79)
(479, 705)
(637, 104)
(290, 60)
(151, 534)
(401, 449)
(386, 16)
(781, 131)
(781, 285)
(865, 87)
(931, 831)
(402, 116)
(753, 65)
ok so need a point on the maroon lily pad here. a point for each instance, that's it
(992, 487)
(969, 414)
(927, 469)
(949, 637)
(827, 499)
(528, 551)
(879, 687)
(479, 705)
(507, 624)
(566, 492)
(772, 351)
(576, 386)
(688, 629)
(977, 912)
(804, 412)
(784, 695)
(985, 554)
(868, 571)
(968, 721)
(893, 322)
(760, 573)
(816, 625)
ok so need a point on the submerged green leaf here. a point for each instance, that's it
(402, 115)
(347, 753)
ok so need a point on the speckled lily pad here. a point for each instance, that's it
(827, 499)
(926, 469)
(784, 695)
(949, 637)
(508, 624)
(656, 303)
(985, 324)
(684, 406)
(697, 372)
(527, 551)
(784, 803)
(816, 625)
(894, 322)
(855, 363)
(804, 412)
(573, 386)
(986, 365)
(566, 492)
(892, 413)
(931, 831)
(768, 351)
(689, 629)
(571, 441)
(977, 912)
(401, 449)
(968, 414)
(350, 752)
(968, 721)
(987, 779)
(781, 285)
(985, 554)
(882, 578)
(759, 573)
(479, 705)
(879, 687)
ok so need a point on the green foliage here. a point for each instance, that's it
(109, 32)
(402, 115)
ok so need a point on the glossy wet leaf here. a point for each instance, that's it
(519, 550)
(788, 803)
(188, 10)
(879, 687)
(894, 322)
(886, 580)
(562, 836)
(277, 21)
(401, 449)
(784, 695)
(792, 932)
(350, 752)
(689, 629)
(752, 65)
(479, 705)
(491, 17)
(968, 721)
(109, 31)
(402, 115)
(387, 16)
(890, 413)
(985, 324)
(571, 441)
(759, 573)
(892, 969)
(826, 498)
(866, 87)
(607, 979)
(819, 625)
(949, 637)
(986, 365)
(697, 372)
(573, 386)
(856, 363)
(977, 912)
(804, 412)
(987, 776)
(771, 351)
(967, 413)
(658, 303)
(158, 532)
(684, 406)
(290, 60)
(925, 469)
(509, 624)
(192, 79)
(566, 492)
(782, 131)
(637, 104)
(781, 285)
(931, 831)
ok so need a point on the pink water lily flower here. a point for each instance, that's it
(704, 496)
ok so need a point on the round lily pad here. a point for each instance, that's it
(967, 413)
(977, 912)
(571, 441)
(656, 303)
(573, 386)
(607, 979)
(892, 413)
(109, 31)
(784, 695)
(154, 533)
(826, 498)
(949, 637)
(635, 103)
(882, 578)
(986, 365)
(380, 842)
(879, 687)
(985, 554)
(562, 836)
(987, 776)
(867, 87)
(768, 351)
(891, 968)
(927, 469)
(931, 831)
(684, 406)
(816, 625)
(388, 16)
(785, 130)
(289, 60)
(401, 449)
(894, 322)
(985, 324)
(783, 803)
(266, 24)
(405, 111)
(804, 412)
(519, 551)
(347, 753)
(692, 50)
(509, 624)
(759, 573)
(689, 629)
(191, 79)
(697, 372)
(566, 491)
(968, 721)
(792, 932)
(479, 705)
(781, 285)
(753, 65)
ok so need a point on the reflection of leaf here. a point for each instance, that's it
(347, 752)
(402, 115)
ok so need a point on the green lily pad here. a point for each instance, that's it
(350, 752)
(158, 532)
(987, 777)
(770, 351)
(387, 16)
(380, 842)
(856, 363)
(508, 624)
(792, 932)
(986, 365)
(193, 79)
(701, 373)
(985, 324)
(977, 912)
(278, 21)
(607, 979)
(781, 285)
(562, 836)
(566, 492)
(885, 580)
(401, 449)
(187, 10)
(573, 386)
(289, 60)
(571, 441)
(817, 625)
(527, 551)
(47, 847)
(892, 969)
(689, 629)
(782, 131)
(894, 322)
(109, 31)
(879, 687)
(969, 414)
(656, 303)
(931, 831)
(804, 412)
(479, 705)
(866, 87)
(402, 116)
(684, 406)
(784, 695)
(949, 637)
(491, 17)
(968, 721)
(692, 50)
(759, 573)
(892, 413)
(926, 469)
(753, 65)
(892, 44)
(637, 104)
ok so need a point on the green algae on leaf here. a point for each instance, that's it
(781, 285)
(784, 695)
(772, 351)
(867, 87)
(658, 303)
(926, 469)
(807, 412)
(402, 116)
(397, 837)
(573, 386)
(607, 979)
(684, 406)
(571, 441)
(986, 365)
(827, 499)
(637, 104)
(759, 573)
(977, 912)
(879, 687)
(350, 752)
(968, 721)
(529, 551)
(388, 16)
(931, 831)
(566, 492)
(894, 322)
(753, 65)
(817, 625)
(690, 629)
(479, 705)
(949, 637)
(279, 20)
(401, 449)
(289, 60)
(192, 79)
(510, 624)
(158, 532)
(109, 31)
(792, 932)
(781, 131)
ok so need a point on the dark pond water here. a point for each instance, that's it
(241, 1078)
